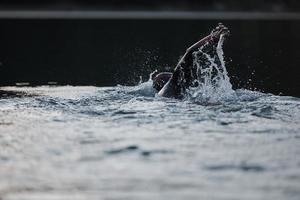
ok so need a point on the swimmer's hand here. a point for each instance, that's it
(218, 31)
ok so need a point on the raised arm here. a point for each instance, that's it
(212, 37)
(185, 73)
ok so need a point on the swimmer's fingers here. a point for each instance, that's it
(218, 28)
(221, 29)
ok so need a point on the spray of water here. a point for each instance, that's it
(213, 83)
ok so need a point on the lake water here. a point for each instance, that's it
(122, 142)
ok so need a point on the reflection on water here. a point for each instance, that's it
(126, 143)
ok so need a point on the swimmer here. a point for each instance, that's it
(175, 84)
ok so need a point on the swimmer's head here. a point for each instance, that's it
(160, 79)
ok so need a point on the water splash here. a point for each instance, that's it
(143, 89)
(213, 82)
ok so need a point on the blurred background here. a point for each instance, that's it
(191, 5)
(104, 43)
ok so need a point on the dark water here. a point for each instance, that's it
(126, 143)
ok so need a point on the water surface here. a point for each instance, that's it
(127, 143)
